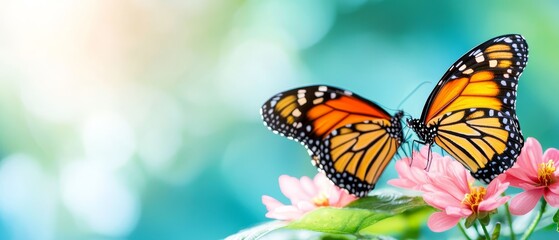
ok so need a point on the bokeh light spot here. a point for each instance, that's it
(98, 197)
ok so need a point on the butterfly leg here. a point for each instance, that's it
(412, 148)
(428, 165)
(407, 142)
(412, 145)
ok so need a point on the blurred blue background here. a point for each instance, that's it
(139, 119)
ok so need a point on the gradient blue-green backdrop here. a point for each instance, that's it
(139, 119)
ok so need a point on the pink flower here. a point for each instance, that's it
(448, 186)
(305, 195)
(454, 194)
(537, 174)
(413, 173)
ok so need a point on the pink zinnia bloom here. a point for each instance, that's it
(413, 173)
(537, 174)
(447, 186)
(454, 194)
(305, 195)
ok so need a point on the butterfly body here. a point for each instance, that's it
(471, 113)
(349, 138)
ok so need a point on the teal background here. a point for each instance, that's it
(139, 119)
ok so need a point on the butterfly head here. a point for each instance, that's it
(426, 134)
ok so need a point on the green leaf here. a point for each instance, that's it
(406, 225)
(358, 215)
(338, 220)
(388, 203)
(484, 220)
(556, 219)
(257, 232)
(496, 231)
(470, 221)
(481, 215)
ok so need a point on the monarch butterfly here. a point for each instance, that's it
(349, 138)
(471, 113)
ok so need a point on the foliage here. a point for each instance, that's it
(370, 216)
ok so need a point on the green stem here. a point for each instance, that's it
(509, 220)
(536, 220)
(487, 235)
(463, 231)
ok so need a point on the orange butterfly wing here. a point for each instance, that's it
(471, 113)
(348, 137)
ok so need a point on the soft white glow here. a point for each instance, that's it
(27, 199)
(109, 138)
(46, 93)
(97, 197)
(302, 22)
(252, 72)
(161, 133)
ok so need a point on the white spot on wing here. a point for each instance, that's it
(317, 101)
(480, 58)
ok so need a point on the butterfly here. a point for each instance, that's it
(349, 138)
(471, 113)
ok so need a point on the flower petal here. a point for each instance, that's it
(291, 188)
(271, 203)
(345, 199)
(401, 183)
(418, 176)
(531, 154)
(552, 198)
(458, 211)
(551, 154)
(410, 177)
(448, 185)
(286, 213)
(493, 198)
(525, 201)
(322, 183)
(308, 186)
(492, 203)
(335, 196)
(529, 186)
(440, 222)
(419, 159)
(462, 179)
(440, 200)
(517, 176)
(554, 187)
(495, 188)
(403, 168)
(305, 206)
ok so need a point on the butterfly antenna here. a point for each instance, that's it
(411, 93)
(407, 115)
